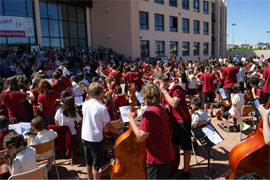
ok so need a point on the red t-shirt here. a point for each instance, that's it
(119, 101)
(181, 112)
(208, 82)
(48, 101)
(106, 72)
(130, 77)
(59, 86)
(260, 94)
(117, 76)
(229, 73)
(13, 100)
(34, 103)
(66, 81)
(110, 111)
(266, 77)
(155, 121)
(113, 85)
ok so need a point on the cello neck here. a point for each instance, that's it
(261, 121)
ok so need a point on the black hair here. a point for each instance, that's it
(64, 94)
(254, 80)
(196, 101)
(69, 109)
(4, 121)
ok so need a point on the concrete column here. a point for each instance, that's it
(88, 27)
(37, 20)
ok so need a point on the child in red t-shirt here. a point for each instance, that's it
(155, 129)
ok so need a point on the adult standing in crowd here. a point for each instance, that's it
(175, 99)
(95, 115)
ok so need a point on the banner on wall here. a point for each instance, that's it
(11, 26)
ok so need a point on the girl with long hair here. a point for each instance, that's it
(47, 101)
(13, 99)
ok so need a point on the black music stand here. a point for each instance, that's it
(207, 141)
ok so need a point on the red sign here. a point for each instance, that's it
(8, 33)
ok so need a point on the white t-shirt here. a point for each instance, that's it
(198, 117)
(239, 100)
(42, 137)
(95, 115)
(24, 161)
(192, 82)
(68, 121)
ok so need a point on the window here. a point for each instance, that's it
(62, 25)
(185, 48)
(205, 49)
(185, 25)
(15, 7)
(196, 48)
(173, 48)
(196, 27)
(205, 28)
(144, 48)
(185, 4)
(52, 11)
(160, 49)
(173, 3)
(173, 24)
(158, 1)
(143, 20)
(1, 10)
(196, 6)
(205, 7)
(159, 22)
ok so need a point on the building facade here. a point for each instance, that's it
(191, 29)
(50, 23)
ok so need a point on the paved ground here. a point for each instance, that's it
(219, 160)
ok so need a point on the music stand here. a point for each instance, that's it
(208, 137)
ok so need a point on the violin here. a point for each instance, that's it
(130, 153)
(251, 155)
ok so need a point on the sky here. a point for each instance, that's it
(252, 19)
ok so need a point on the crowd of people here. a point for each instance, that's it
(89, 86)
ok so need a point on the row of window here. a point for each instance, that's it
(185, 5)
(160, 48)
(159, 24)
(62, 25)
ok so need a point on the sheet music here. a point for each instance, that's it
(212, 135)
(78, 100)
(123, 112)
(222, 93)
(20, 128)
(139, 97)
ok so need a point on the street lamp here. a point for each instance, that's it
(233, 33)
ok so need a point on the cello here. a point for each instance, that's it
(251, 155)
(129, 152)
